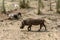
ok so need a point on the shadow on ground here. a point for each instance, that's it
(33, 31)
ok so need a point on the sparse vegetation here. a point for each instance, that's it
(24, 4)
(3, 6)
(40, 4)
(58, 6)
(50, 5)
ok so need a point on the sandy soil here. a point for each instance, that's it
(10, 29)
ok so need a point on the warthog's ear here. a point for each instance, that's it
(19, 13)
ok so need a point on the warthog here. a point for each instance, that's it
(30, 21)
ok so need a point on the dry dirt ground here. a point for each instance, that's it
(10, 29)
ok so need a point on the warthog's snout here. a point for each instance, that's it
(21, 27)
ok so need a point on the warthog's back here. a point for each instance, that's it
(33, 21)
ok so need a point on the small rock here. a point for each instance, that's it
(50, 35)
(11, 23)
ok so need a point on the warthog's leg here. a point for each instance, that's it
(45, 27)
(40, 27)
(29, 27)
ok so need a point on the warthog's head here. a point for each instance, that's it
(22, 26)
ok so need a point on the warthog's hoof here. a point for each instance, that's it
(29, 30)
